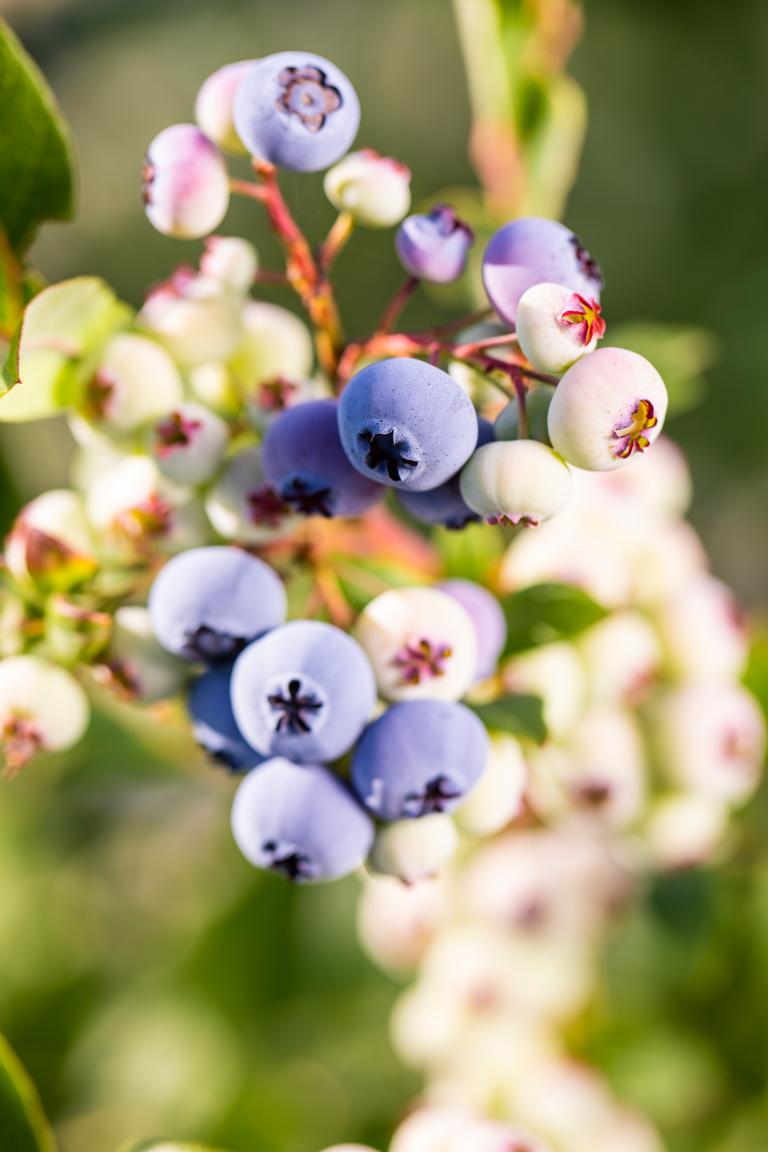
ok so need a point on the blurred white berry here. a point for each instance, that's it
(42, 708)
(375, 190)
(710, 738)
(186, 184)
(396, 922)
(188, 443)
(553, 672)
(498, 797)
(516, 481)
(231, 261)
(212, 385)
(703, 631)
(213, 105)
(555, 326)
(197, 321)
(686, 829)
(414, 850)
(242, 505)
(137, 662)
(622, 656)
(51, 541)
(275, 343)
(421, 643)
(607, 409)
(135, 382)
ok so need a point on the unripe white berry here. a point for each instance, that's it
(188, 443)
(213, 105)
(51, 541)
(621, 655)
(275, 343)
(212, 385)
(135, 382)
(396, 922)
(555, 326)
(553, 672)
(138, 662)
(608, 408)
(231, 261)
(197, 321)
(498, 796)
(421, 643)
(375, 190)
(186, 185)
(518, 481)
(686, 829)
(414, 850)
(703, 631)
(42, 707)
(242, 505)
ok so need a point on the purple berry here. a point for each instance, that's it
(436, 246)
(296, 110)
(304, 691)
(406, 424)
(300, 821)
(532, 250)
(186, 186)
(421, 756)
(303, 458)
(488, 618)
(444, 505)
(213, 723)
(208, 603)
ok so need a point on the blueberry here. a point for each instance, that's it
(406, 424)
(304, 460)
(531, 250)
(434, 246)
(304, 691)
(296, 110)
(186, 186)
(213, 723)
(444, 505)
(516, 481)
(208, 603)
(421, 756)
(188, 443)
(486, 614)
(214, 101)
(300, 821)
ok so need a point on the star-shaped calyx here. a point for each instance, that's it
(384, 449)
(310, 499)
(307, 94)
(174, 432)
(289, 860)
(583, 317)
(295, 709)
(213, 646)
(433, 797)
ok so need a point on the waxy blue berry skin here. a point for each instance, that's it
(406, 424)
(488, 618)
(300, 821)
(533, 250)
(296, 110)
(213, 723)
(305, 691)
(435, 246)
(303, 458)
(444, 505)
(207, 604)
(419, 757)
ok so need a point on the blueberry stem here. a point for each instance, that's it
(396, 304)
(336, 240)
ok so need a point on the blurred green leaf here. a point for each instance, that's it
(471, 552)
(681, 355)
(545, 613)
(521, 715)
(23, 1126)
(37, 168)
(55, 346)
(166, 1146)
(11, 289)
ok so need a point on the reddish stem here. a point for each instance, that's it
(397, 303)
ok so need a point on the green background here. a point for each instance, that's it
(148, 979)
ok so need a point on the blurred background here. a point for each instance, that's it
(150, 981)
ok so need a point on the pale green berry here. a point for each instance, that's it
(515, 481)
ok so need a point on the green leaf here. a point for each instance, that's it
(470, 552)
(521, 715)
(37, 167)
(680, 354)
(166, 1146)
(545, 613)
(56, 346)
(23, 1125)
(11, 289)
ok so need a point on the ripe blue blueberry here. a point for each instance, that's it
(296, 110)
(406, 424)
(486, 614)
(444, 505)
(208, 603)
(419, 757)
(303, 458)
(300, 821)
(213, 723)
(435, 246)
(304, 691)
(532, 250)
